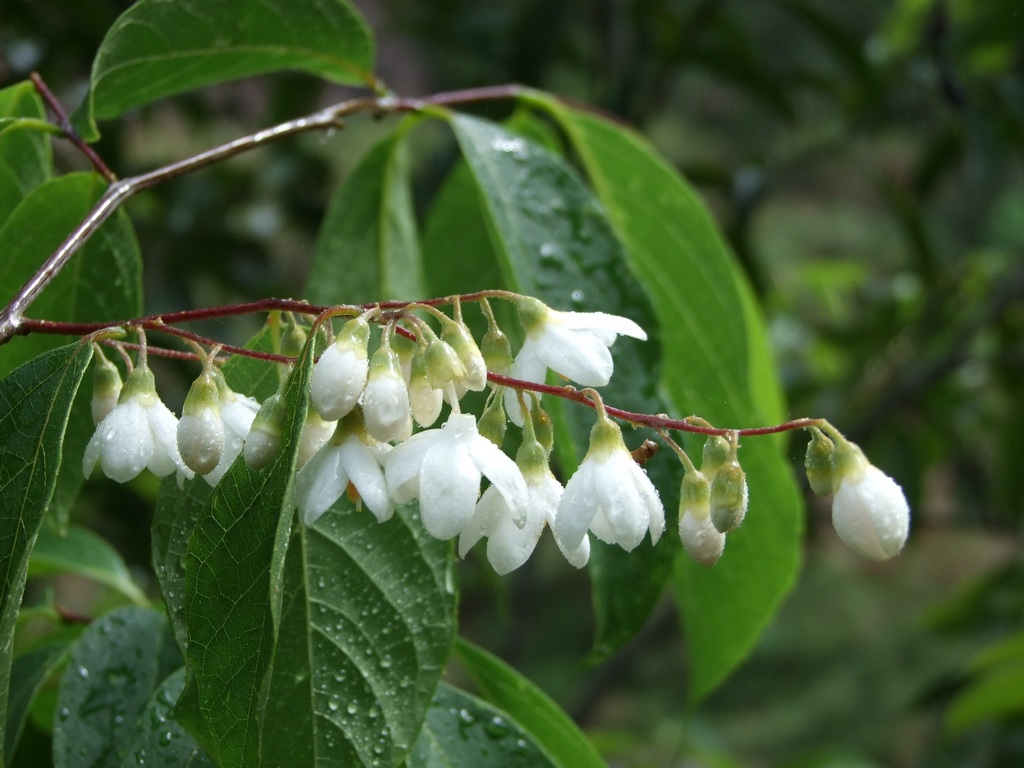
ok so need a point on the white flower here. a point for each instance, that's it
(353, 457)
(510, 545)
(573, 344)
(386, 409)
(139, 433)
(609, 495)
(237, 412)
(870, 513)
(315, 434)
(339, 376)
(443, 468)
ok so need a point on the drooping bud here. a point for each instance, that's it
(293, 339)
(265, 433)
(492, 421)
(460, 339)
(424, 400)
(542, 426)
(339, 376)
(702, 541)
(386, 407)
(106, 387)
(869, 510)
(821, 474)
(201, 427)
(443, 364)
(729, 497)
(496, 351)
(717, 451)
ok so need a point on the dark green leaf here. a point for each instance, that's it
(547, 725)
(367, 624)
(34, 405)
(28, 674)
(117, 663)
(367, 249)
(463, 732)
(25, 156)
(159, 741)
(177, 511)
(101, 283)
(716, 363)
(997, 694)
(158, 48)
(82, 553)
(251, 376)
(555, 242)
(232, 591)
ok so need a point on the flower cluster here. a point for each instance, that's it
(359, 440)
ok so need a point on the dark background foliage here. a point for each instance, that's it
(864, 160)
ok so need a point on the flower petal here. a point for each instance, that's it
(404, 463)
(126, 441)
(319, 484)
(527, 367)
(503, 474)
(602, 322)
(576, 508)
(449, 487)
(577, 355)
(165, 457)
(486, 514)
(367, 476)
(509, 546)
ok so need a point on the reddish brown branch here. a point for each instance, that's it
(64, 122)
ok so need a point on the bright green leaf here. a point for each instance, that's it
(232, 591)
(159, 741)
(28, 674)
(555, 242)
(548, 726)
(82, 553)
(367, 249)
(367, 624)
(715, 363)
(116, 664)
(463, 732)
(34, 405)
(158, 48)
(25, 156)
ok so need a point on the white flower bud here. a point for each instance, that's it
(870, 512)
(386, 409)
(265, 434)
(729, 497)
(340, 374)
(458, 336)
(424, 400)
(201, 428)
(106, 387)
(702, 541)
(315, 432)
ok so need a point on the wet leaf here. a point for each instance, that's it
(159, 741)
(29, 672)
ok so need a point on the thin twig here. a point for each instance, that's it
(64, 122)
(119, 191)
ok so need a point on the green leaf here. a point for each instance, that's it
(102, 282)
(159, 741)
(716, 363)
(34, 405)
(82, 553)
(463, 732)
(547, 725)
(177, 511)
(25, 156)
(367, 249)
(252, 376)
(997, 694)
(28, 674)
(233, 592)
(367, 624)
(117, 663)
(554, 242)
(158, 48)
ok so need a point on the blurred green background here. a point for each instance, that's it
(865, 163)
